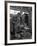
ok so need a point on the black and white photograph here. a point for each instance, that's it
(20, 22)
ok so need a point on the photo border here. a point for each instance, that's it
(6, 22)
